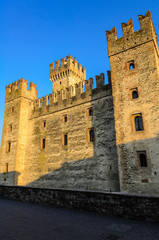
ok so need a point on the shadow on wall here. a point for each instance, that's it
(138, 164)
(7, 178)
(86, 174)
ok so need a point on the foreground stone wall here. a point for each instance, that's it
(137, 207)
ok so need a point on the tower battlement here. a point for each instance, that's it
(66, 74)
(19, 89)
(130, 38)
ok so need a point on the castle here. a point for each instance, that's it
(78, 137)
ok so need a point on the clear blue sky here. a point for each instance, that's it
(35, 33)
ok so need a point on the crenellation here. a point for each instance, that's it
(130, 38)
(127, 28)
(100, 80)
(72, 95)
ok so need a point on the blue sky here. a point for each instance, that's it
(35, 33)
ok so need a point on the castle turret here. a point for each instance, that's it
(135, 84)
(68, 73)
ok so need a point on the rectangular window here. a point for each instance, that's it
(10, 128)
(43, 124)
(130, 65)
(8, 146)
(89, 111)
(64, 118)
(65, 139)
(43, 143)
(12, 109)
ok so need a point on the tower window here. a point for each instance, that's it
(43, 143)
(64, 118)
(12, 109)
(142, 158)
(135, 94)
(10, 128)
(130, 65)
(65, 139)
(139, 123)
(91, 135)
(43, 124)
(8, 146)
(90, 112)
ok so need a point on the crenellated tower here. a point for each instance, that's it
(68, 73)
(134, 61)
(18, 103)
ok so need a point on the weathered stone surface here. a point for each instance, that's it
(110, 204)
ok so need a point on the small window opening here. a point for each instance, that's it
(135, 94)
(43, 124)
(139, 123)
(143, 160)
(12, 109)
(64, 118)
(6, 168)
(8, 146)
(131, 66)
(10, 128)
(90, 112)
(60, 82)
(91, 135)
(43, 143)
(65, 140)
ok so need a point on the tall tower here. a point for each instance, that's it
(15, 131)
(67, 74)
(134, 61)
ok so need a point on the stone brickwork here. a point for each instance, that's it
(140, 49)
(136, 207)
(83, 138)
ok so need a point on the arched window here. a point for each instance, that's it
(139, 123)
(143, 160)
(135, 94)
(131, 66)
(91, 135)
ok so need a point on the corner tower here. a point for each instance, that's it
(18, 101)
(68, 73)
(134, 61)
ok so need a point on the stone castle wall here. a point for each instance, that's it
(81, 164)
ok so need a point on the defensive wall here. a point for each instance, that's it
(138, 207)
